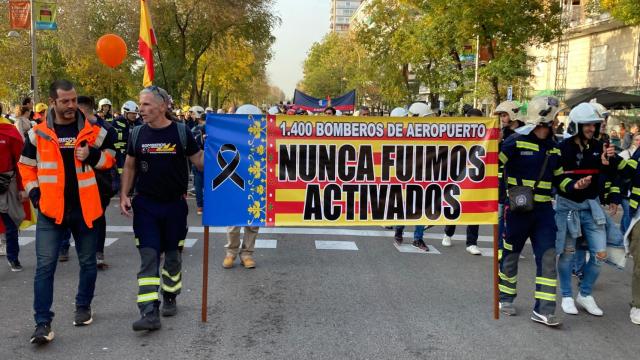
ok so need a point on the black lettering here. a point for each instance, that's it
(404, 163)
(350, 191)
(478, 171)
(327, 163)
(364, 202)
(419, 164)
(365, 170)
(346, 172)
(453, 208)
(312, 203)
(287, 163)
(387, 161)
(378, 201)
(395, 208)
(307, 164)
(414, 202)
(433, 202)
(458, 163)
(332, 192)
(437, 163)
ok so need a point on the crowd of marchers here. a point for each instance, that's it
(61, 163)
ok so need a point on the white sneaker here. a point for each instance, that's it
(446, 241)
(589, 304)
(473, 250)
(634, 314)
(569, 306)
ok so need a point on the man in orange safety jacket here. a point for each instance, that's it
(57, 168)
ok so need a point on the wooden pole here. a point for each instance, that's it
(205, 273)
(496, 291)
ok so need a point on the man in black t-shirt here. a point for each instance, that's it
(157, 157)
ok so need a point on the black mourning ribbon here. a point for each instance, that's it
(228, 169)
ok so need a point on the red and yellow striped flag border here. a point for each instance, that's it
(290, 202)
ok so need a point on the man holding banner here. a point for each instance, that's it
(157, 157)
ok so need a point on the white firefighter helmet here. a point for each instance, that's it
(274, 110)
(248, 109)
(600, 109)
(104, 101)
(208, 110)
(338, 113)
(197, 111)
(420, 109)
(129, 107)
(179, 112)
(399, 112)
(542, 110)
(584, 113)
(508, 107)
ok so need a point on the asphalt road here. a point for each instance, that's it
(302, 302)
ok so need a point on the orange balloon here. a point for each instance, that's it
(111, 50)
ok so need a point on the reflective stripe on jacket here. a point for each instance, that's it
(44, 168)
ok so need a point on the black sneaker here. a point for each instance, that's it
(169, 306)
(83, 316)
(15, 266)
(149, 321)
(549, 320)
(420, 245)
(64, 255)
(42, 335)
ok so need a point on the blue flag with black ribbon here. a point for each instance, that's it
(235, 158)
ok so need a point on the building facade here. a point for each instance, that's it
(596, 51)
(341, 12)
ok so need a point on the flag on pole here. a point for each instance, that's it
(146, 42)
(20, 14)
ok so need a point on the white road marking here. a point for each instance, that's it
(266, 244)
(408, 248)
(305, 231)
(190, 242)
(335, 245)
(109, 241)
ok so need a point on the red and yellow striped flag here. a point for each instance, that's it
(146, 42)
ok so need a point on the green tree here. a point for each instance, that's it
(188, 29)
(627, 11)
(505, 29)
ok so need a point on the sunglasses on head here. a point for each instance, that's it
(156, 90)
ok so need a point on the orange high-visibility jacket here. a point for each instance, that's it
(46, 170)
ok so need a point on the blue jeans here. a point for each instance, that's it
(49, 238)
(626, 216)
(596, 239)
(11, 233)
(418, 233)
(198, 184)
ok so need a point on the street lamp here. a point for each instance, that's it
(34, 66)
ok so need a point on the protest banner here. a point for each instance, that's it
(350, 171)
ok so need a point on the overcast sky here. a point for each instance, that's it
(303, 23)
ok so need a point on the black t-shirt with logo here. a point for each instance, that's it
(67, 135)
(162, 168)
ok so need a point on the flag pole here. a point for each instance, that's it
(164, 76)
(205, 274)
